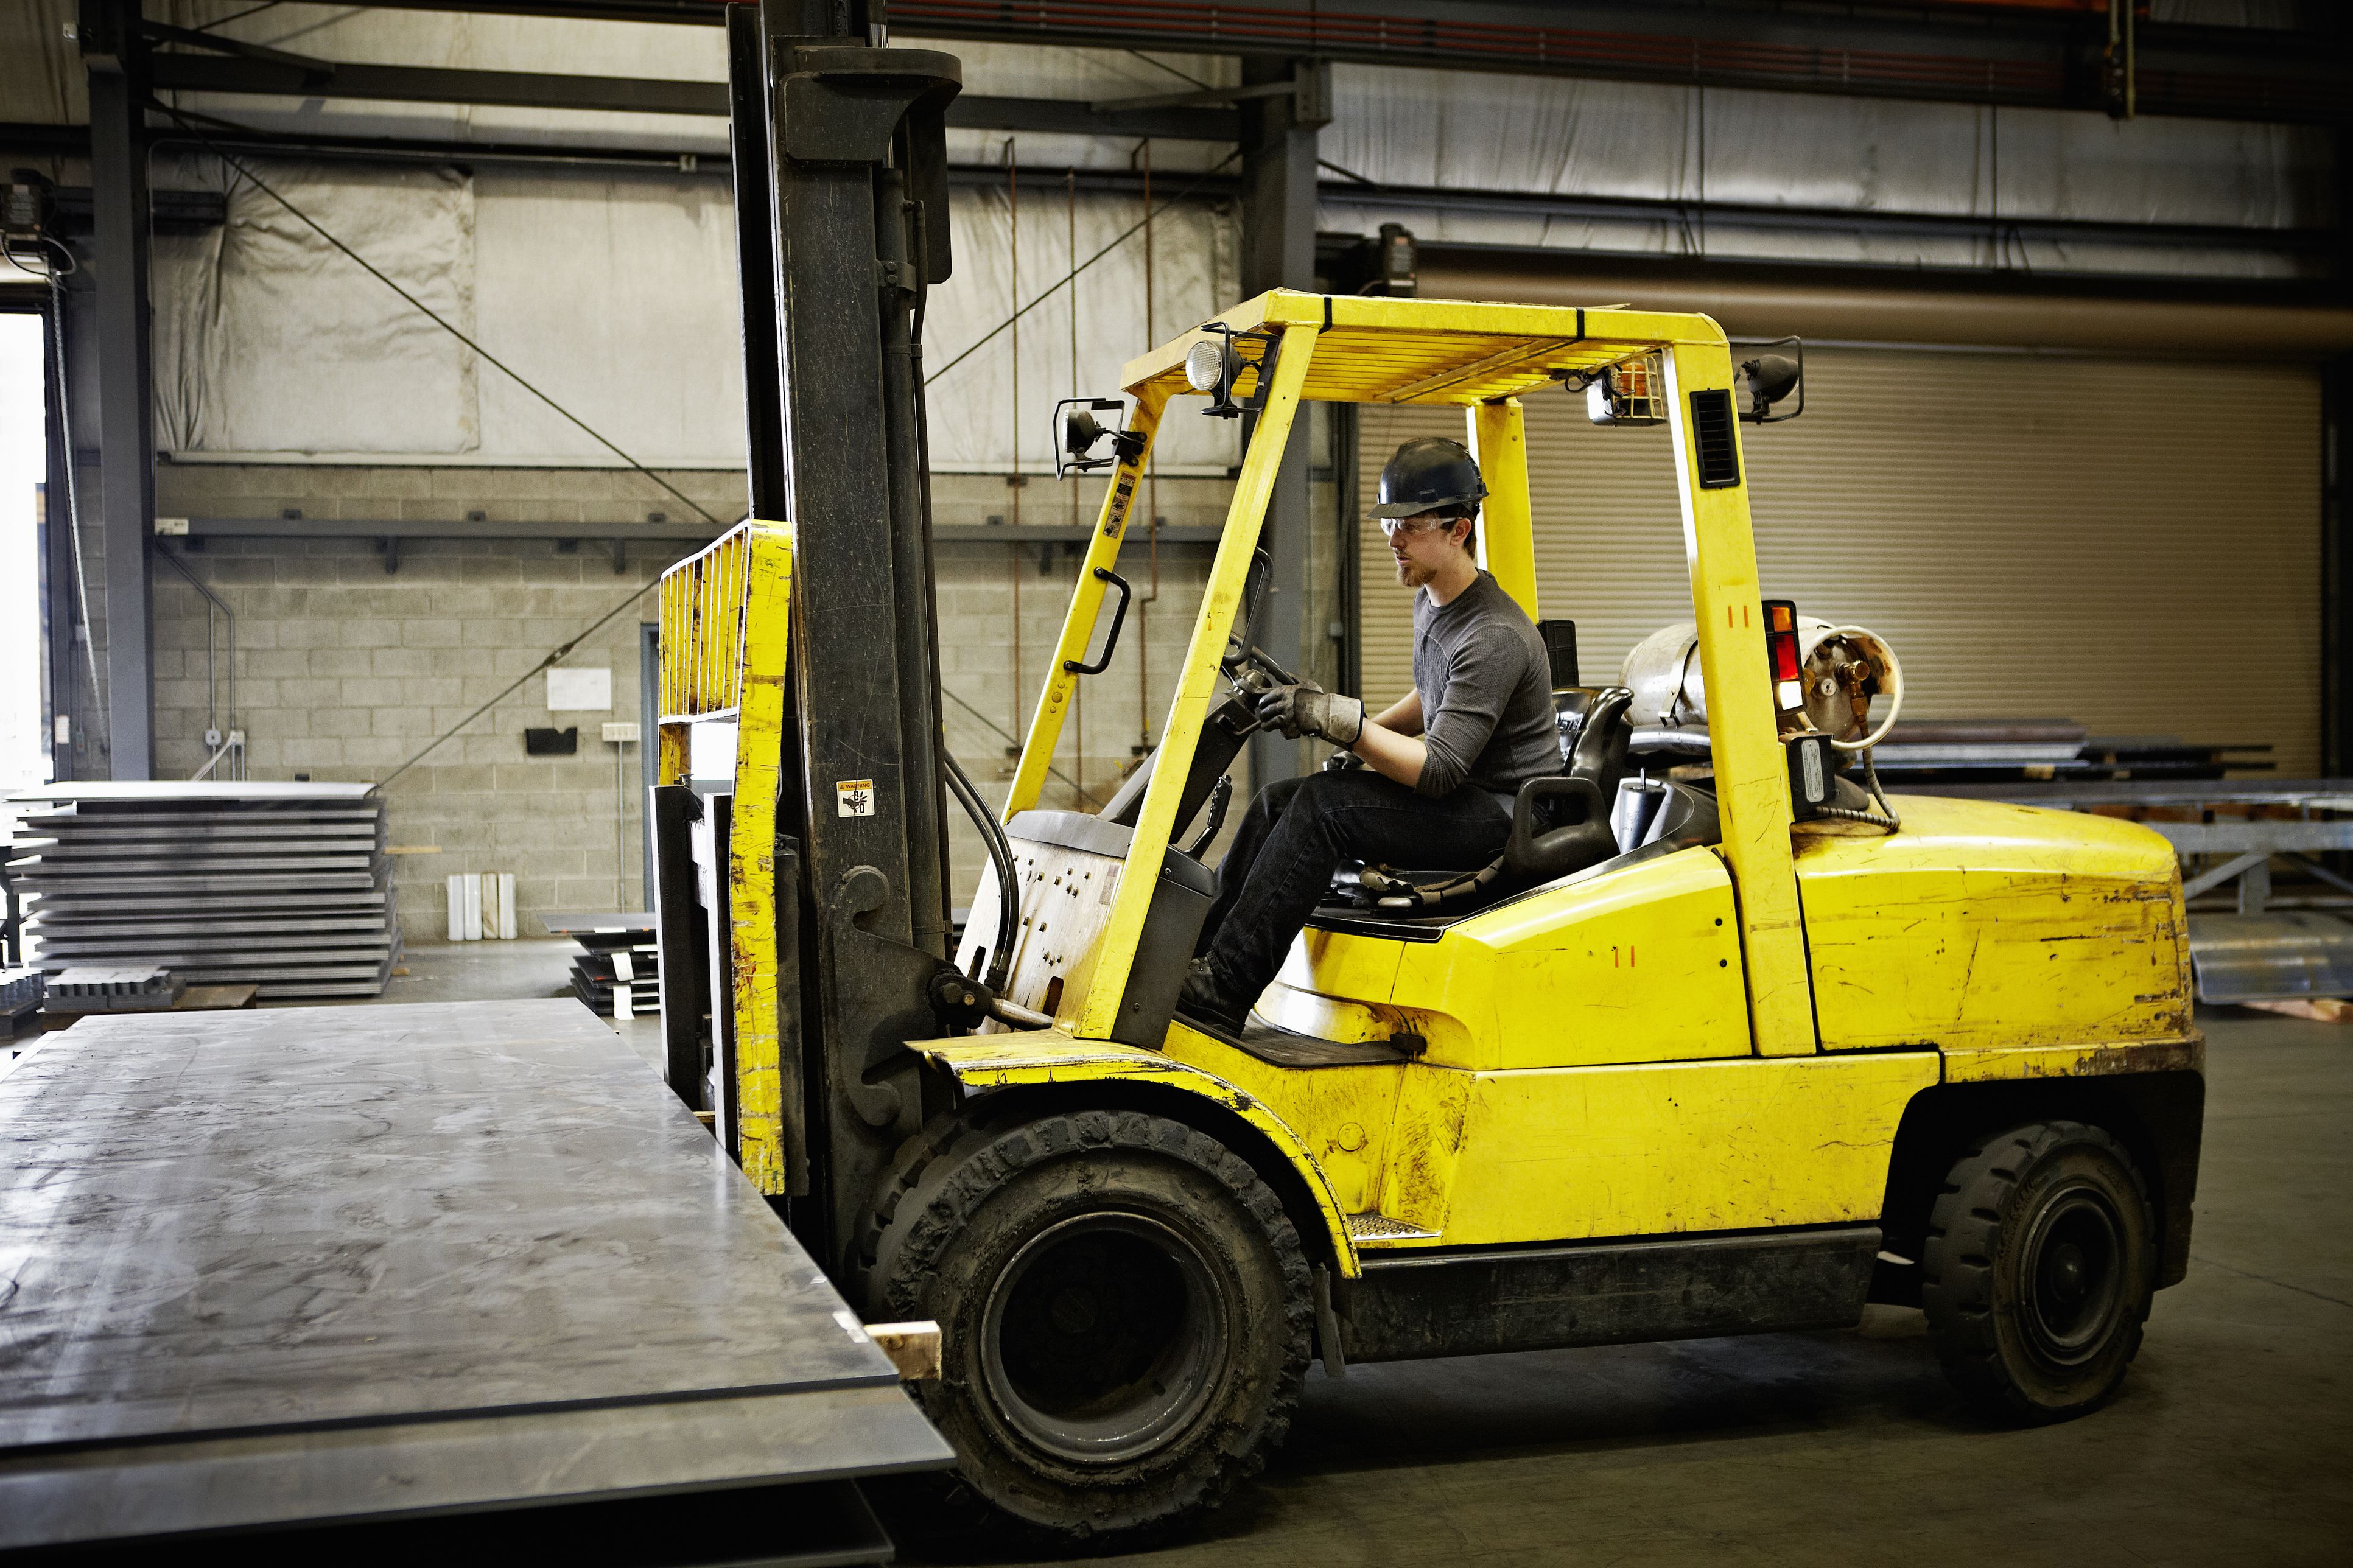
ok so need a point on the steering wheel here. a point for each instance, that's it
(1252, 675)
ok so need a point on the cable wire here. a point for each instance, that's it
(73, 499)
(437, 319)
(237, 16)
(591, 629)
(1172, 70)
(1206, 175)
(1015, 740)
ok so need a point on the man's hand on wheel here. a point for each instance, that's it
(1307, 708)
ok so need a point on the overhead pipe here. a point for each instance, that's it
(1828, 303)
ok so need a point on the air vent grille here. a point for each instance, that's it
(1719, 458)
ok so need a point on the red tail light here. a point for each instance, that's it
(1781, 654)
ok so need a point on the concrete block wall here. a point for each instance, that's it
(345, 671)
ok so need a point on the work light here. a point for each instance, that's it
(1205, 365)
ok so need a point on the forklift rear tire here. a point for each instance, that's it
(2038, 1269)
(1125, 1314)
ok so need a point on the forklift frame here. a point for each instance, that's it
(1479, 357)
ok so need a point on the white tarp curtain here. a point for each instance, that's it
(615, 293)
(42, 79)
(266, 339)
(1476, 132)
(976, 423)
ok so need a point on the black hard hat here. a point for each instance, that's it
(1429, 472)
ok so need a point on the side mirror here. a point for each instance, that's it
(1768, 379)
(1077, 433)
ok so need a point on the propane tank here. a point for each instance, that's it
(1842, 669)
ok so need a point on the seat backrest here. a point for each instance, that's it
(1600, 752)
(1570, 704)
(1575, 803)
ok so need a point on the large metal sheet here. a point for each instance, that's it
(357, 1213)
(2277, 957)
(72, 905)
(545, 1456)
(185, 847)
(142, 930)
(316, 881)
(190, 960)
(2332, 795)
(101, 876)
(333, 1262)
(321, 819)
(173, 792)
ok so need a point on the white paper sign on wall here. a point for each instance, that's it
(580, 689)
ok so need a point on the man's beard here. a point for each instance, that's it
(1410, 573)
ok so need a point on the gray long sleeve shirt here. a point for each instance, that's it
(1486, 693)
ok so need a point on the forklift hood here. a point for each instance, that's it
(986, 1063)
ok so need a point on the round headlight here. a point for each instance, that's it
(1205, 365)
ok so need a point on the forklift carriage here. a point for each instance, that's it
(1746, 1076)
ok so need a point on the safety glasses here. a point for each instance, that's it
(1393, 526)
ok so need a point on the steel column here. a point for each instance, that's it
(2335, 571)
(2335, 544)
(118, 156)
(61, 673)
(1278, 252)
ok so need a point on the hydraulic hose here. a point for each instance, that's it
(1000, 855)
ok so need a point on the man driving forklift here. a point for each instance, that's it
(1439, 767)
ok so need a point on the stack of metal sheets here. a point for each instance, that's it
(284, 885)
(618, 973)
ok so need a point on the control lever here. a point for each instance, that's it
(1221, 793)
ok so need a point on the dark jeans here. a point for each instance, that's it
(1299, 831)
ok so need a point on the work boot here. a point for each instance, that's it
(1205, 1000)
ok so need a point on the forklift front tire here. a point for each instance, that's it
(1126, 1315)
(2038, 1269)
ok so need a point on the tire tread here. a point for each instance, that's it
(948, 1172)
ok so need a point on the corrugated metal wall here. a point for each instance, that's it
(2131, 544)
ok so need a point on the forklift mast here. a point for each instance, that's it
(839, 882)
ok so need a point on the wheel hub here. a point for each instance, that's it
(2070, 1272)
(1102, 1339)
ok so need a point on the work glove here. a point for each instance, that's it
(1342, 762)
(1306, 708)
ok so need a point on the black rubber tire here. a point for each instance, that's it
(1126, 1316)
(2037, 1269)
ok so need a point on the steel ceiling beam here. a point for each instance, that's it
(2027, 56)
(643, 95)
(188, 211)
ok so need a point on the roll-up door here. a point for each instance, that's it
(2130, 543)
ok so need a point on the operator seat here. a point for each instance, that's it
(1560, 822)
(1579, 832)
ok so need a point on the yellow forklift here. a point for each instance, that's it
(1788, 1047)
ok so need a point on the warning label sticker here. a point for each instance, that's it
(854, 797)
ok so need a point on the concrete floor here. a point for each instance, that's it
(2231, 1442)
